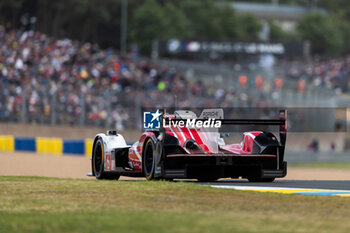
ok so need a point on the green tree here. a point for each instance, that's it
(338, 7)
(176, 23)
(204, 17)
(77, 19)
(147, 23)
(228, 22)
(249, 27)
(343, 27)
(276, 32)
(322, 32)
(10, 11)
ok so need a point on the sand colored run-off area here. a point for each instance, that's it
(29, 164)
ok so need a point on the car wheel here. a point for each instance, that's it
(148, 161)
(98, 163)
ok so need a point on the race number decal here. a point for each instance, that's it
(108, 163)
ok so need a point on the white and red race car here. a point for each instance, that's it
(182, 150)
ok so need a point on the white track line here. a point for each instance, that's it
(252, 188)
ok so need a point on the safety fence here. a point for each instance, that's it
(43, 145)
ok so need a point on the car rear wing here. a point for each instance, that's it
(281, 122)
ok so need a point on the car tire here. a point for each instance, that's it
(148, 160)
(98, 163)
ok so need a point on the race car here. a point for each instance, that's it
(182, 148)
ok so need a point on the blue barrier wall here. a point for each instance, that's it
(44, 145)
(74, 147)
(25, 144)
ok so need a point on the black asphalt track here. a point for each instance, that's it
(305, 184)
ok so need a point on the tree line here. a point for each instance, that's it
(99, 22)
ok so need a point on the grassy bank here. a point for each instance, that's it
(35, 204)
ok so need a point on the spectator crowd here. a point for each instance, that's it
(60, 81)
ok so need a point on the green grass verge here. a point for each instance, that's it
(36, 204)
(322, 165)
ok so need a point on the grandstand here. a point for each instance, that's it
(60, 81)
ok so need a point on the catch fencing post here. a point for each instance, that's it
(24, 103)
(53, 108)
(82, 109)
